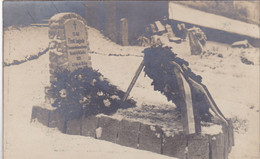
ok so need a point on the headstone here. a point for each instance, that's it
(68, 47)
(124, 32)
(195, 45)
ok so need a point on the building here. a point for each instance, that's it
(105, 16)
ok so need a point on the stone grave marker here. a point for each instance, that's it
(170, 33)
(195, 45)
(68, 46)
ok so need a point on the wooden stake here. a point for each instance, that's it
(138, 71)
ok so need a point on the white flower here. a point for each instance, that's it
(63, 93)
(100, 93)
(106, 102)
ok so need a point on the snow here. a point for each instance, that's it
(104, 46)
(211, 130)
(159, 26)
(18, 47)
(233, 85)
(98, 132)
(193, 16)
(24, 87)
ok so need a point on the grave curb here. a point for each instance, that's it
(169, 145)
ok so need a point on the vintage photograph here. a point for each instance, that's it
(131, 79)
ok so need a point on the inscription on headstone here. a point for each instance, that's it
(68, 46)
(76, 40)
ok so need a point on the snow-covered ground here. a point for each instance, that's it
(23, 88)
(233, 84)
(22, 47)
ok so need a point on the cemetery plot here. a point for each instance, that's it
(80, 92)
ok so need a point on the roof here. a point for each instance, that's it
(209, 20)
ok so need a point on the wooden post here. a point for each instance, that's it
(124, 32)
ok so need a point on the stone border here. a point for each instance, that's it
(141, 136)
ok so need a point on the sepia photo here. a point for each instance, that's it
(131, 79)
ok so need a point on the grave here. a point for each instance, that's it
(68, 46)
(69, 51)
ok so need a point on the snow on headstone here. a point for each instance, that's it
(68, 43)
